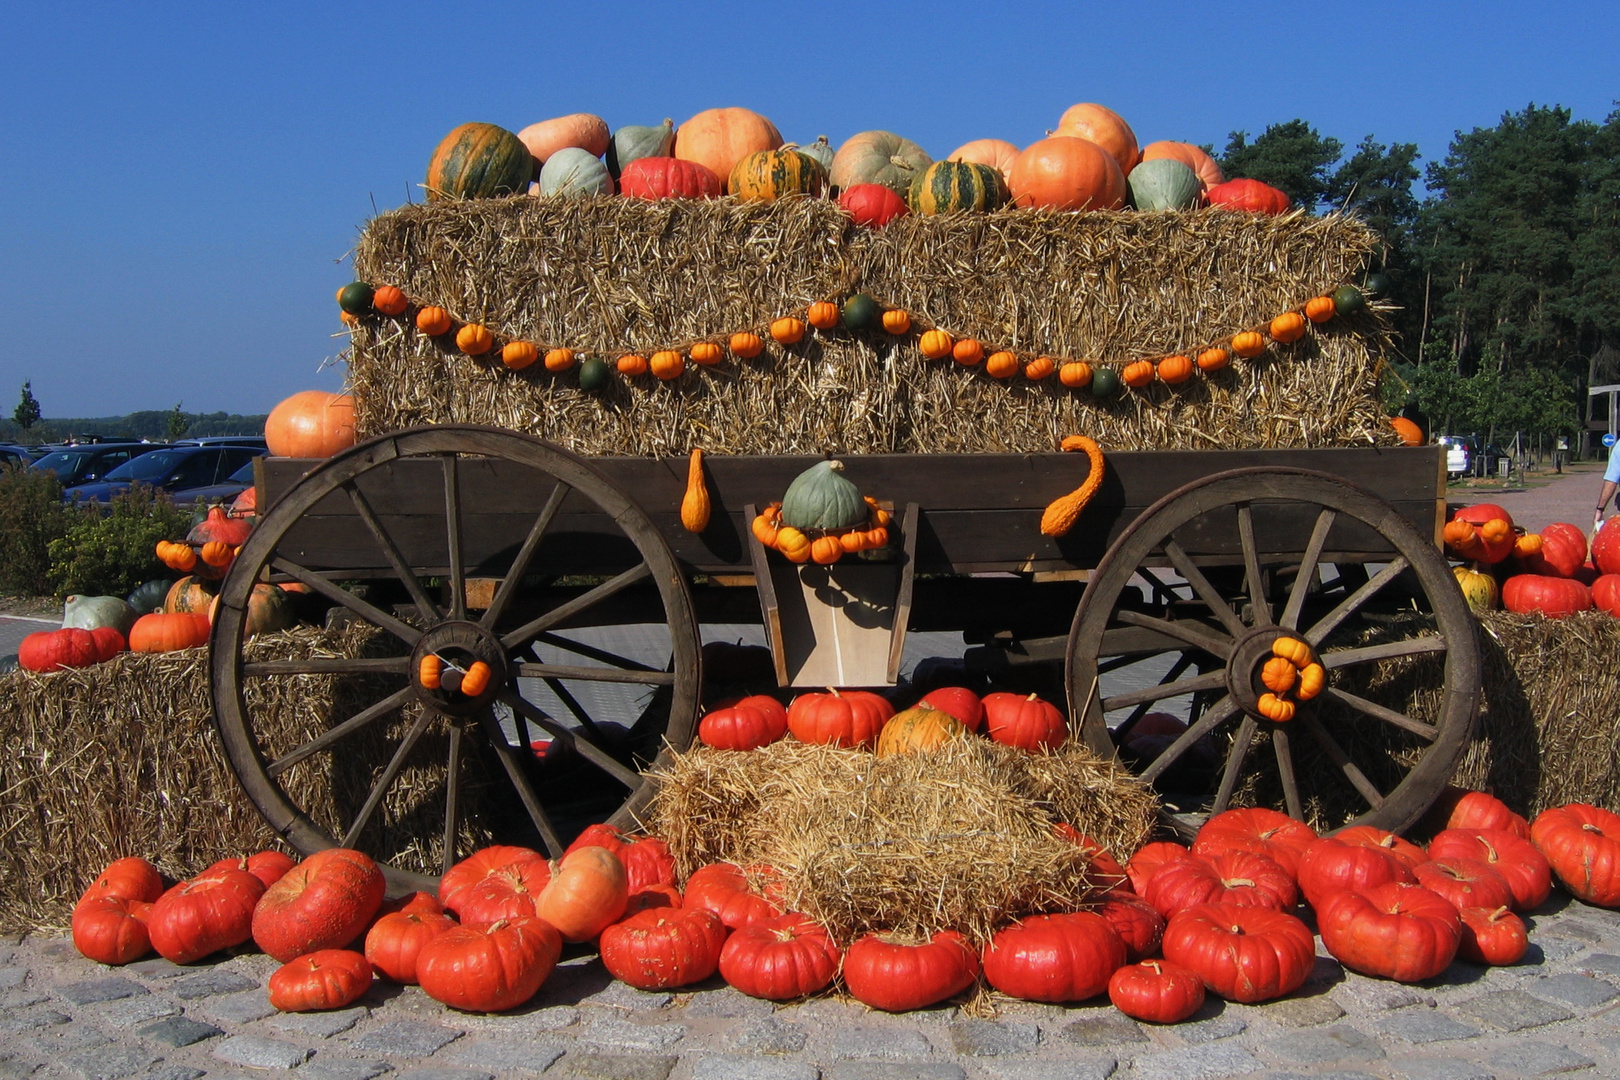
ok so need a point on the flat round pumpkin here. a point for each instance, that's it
(878, 157)
(719, 138)
(1066, 173)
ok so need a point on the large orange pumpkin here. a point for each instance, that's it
(588, 132)
(311, 424)
(996, 153)
(1106, 128)
(1066, 173)
(1189, 155)
(719, 138)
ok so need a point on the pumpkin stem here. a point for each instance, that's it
(835, 465)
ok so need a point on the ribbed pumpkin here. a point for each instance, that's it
(956, 185)
(311, 424)
(918, 728)
(1287, 327)
(581, 131)
(668, 178)
(768, 175)
(478, 161)
(1175, 369)
(518, 355)
(1477, 588)
(1104, 127)
(1209, 173)
(1213, 359)
(1248, 195)
(573, 173)
(719, 138)
(996, 153)
(633, 142)
(872, 205)
(821, 497)
(1066, 173)
(1164, 184)
(1248, 344)
(878, 157)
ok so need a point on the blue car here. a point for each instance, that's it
(171, 469)
(90, 462)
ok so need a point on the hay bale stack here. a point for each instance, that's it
(960, 837)
(611, 276)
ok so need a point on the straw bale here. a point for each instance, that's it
(611, 276)
(960, 837)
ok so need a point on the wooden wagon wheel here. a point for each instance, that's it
(390, 717)
(1204, 629)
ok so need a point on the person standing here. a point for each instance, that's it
(1611, 481)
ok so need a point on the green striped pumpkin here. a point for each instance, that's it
(956, 185)
(479, 161)
(772, 174)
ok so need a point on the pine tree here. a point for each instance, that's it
(27, 413)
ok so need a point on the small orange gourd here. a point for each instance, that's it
(1040, 368)
(1293, 650)
(876, 515)
(706, 353)
(1213, 359)
(823, 315)
(793, 544)
(666, 364)
(632, 364)
(475, 680)
(1312, 677)
(936, 344)
(1249, 344)
(388, 300)
(765, 529)
(1527, 545)
(896, 321)
(1001, 365)
(746, 346)
(1278, 674)
(826, 550)
(1495, 531)
(1287, 327)
(433, 321)
(1463, 539)
(217, 553)
(787, 330)
(518, 355)
(559, 360)
(852, 541)
(1320, 309)
(1138, 374)
(695, 504)
(1076, 375)
(474, 340)
(1275, 708)
(967, 352)
(1175, 369)
(1061, 513)
(429, 671)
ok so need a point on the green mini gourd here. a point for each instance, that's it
(821, 497)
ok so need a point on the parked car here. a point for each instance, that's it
(224, 440)
(14, 455)
(223, 492)
(90, 462)
(169, 468)
(1460, 453)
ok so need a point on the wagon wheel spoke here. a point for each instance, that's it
(452, 518)
(1251, 566)
(1339, 658)
(1217, 713)
(1336, 754)
(571, 703)
(527, 670)
(1160, 588)
(1182, 663)
(380, 788)
(1426, 732)
(587, 749)
(1285, 771)
(372, 614)
(1352, 603)
(1190, 633)
(520, 564)
(561, 613)
(1206, 592)
(348, 727)
(520, 781)
(329, 665)
(1234, 764)
(452, 799)
(390, 550)
(1213, 680)
(1308, 566)
(592, 652)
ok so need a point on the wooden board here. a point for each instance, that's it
(980, 512)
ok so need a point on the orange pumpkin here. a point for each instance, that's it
(719, 138)
(1001, 365)
(587, 893)
(1287, 327)
(788, 330)
(588, 132)
(1175, 369)
(632, 364)
(826, 550)
(433, 321)
(1138, 374)
(1076, 375)
(1040, 368)
(518, 355)
(1104, 127)
(1189, 155)
(1213, 359)
(896, 321)
(967, 352)
(793, 544)
(1066, 173)
(936, 344)
(1320, 309)
(162, 632)
(746, 346)
(474, 340)
(996, 153)
(311, 424)
(823, 315)
(1249, 344)
(389, 300)
(559, 360)
(706, 353)
(666, 364)
(1412, 435)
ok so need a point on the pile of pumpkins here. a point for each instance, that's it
(1090, 161)
(1169, 926)
(1551, 572)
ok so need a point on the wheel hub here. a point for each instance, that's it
(1249, 658)
(460, 648)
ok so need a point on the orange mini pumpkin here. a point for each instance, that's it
(1138, 374)
(1249, 344)
(1213, 359)
(433, 321)
(1319, 309)
(1076, 375)
(936, 344)
(389, 300)
(474, 340)
(1040, 368)
(787, 330)
(1001, 365)
(1175, 369)
(826, 550)
(632, 364)
(746, 346)
(793, 544)
(823, 315)
(706, 353)
(967, 352)
(559, 360)
(1277, 674)
(518, 355)
(896, 321)
(1287, 327)
(666, 364)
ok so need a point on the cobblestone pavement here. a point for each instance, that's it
(1557, 1013)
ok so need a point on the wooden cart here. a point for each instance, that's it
(483, 545)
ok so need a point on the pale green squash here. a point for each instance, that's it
(636, 141)
(1164, 184)
(576, 174)
(821, 497)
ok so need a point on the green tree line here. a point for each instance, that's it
(154, 425)
(1506, 269)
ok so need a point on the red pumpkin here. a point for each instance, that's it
(1107, 875)
(1257, 829)
(1147, 860)
(506, 892)
(455, 887)
(1373, 837)
(1066, 172)
(1249, 195)
(839, 718)
(311, 424)
(872, 205)
(109, 642)
(218, 526)
(1582, 844)
(212, 911)
(1464, 882)
(1244, 954)
(268, 866)
(1330, 866)
(723, 889)
(1399, 931)
(1526, 869)
(1157, 991)
(1554, 597)
(780, 959)
(669, 178)
(324, 902)
(752, 722)
(662, 948)
(326, 979)
(395, 941)
(1025, 722)
(488, 970)
(111, 929)
(1606, 593)
(957, 701)
(1606, 547)
(130, 878)
(1563, 551)
(654, 896)
(897, 977)
(54, 650)
(1137, 923)
(587, 893)
(1496, 542)
(1054, 958)
(1490, 936)
(1237, 877)
(416, 903)
(647, 859)
(1458, 808)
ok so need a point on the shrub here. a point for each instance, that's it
(31, 516)
(108, 554)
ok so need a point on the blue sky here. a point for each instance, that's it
(183, 182)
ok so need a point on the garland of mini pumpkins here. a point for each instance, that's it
(860, 312)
